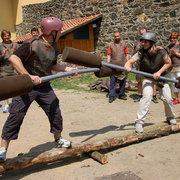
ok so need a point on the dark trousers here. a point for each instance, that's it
(113, 86)
(46, 98)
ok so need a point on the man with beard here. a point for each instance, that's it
(117, 52)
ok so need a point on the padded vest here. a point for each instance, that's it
(152, 64)
(117, 52)
(175, 60)
(42, 57)
(6, 67)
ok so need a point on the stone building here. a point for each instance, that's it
(11, 14)
(126, 16)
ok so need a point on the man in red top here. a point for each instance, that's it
(117, 52)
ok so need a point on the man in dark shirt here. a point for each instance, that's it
(37, 58)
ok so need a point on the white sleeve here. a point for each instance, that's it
(136, 57)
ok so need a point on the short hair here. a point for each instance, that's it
(117, 32)
(174, 34)
(4, 31)
(34, 29)
(142, 29)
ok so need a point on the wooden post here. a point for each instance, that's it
(103, 159)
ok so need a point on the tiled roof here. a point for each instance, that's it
(68, 26)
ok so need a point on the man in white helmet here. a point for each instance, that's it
(37, 58)
(155, 60)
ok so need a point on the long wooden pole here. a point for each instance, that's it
(55, 154)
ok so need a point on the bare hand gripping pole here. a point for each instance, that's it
(87, 59)
(18, 85)
(139, 72)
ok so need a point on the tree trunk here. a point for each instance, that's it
(55, 154)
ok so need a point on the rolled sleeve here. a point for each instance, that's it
(109, 51)
(136, 57)
(126, 51)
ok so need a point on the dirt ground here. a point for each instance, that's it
(88, 117)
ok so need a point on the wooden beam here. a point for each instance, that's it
(103, 159)
(30, 159)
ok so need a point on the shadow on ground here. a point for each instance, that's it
(93, 133)
(131, 126)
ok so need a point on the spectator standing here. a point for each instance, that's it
(117, 51)
(174, 53)
(7, 47)
(34, 34)
(155, 60)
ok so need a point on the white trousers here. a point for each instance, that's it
(174, 76)
(144, 104)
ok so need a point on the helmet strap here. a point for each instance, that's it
(152, 43)
(54, 38)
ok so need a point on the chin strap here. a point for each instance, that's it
(54, 37)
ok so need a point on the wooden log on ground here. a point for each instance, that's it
(103, 159)
(30, 159)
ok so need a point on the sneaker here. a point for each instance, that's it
(138, 98)
(172, 121)
(175, 101)
(139, 128)
(111, 99)
(6, 108)
(123, 97)
(154, 99)
(3, 154)
(61, 142)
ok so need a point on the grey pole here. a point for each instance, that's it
(69, 73)
(138, 72)
(81, 71)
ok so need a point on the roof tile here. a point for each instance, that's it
(68, 26)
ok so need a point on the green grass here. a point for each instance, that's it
(131, 77)
(74, 82)
(79, 82)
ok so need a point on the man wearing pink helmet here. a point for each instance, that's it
(37, 58)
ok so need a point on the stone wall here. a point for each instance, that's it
(126, 16)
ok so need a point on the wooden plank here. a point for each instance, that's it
(82, 44)
(91, 38)
(30, 159)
